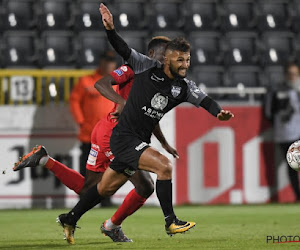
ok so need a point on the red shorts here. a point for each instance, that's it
(100, 155)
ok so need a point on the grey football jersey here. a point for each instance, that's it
(140, 62)
(152, 95)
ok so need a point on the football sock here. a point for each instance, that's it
(69, 177)
(44, 160)
(109, 225)
(164, 195)
(87, 201)
(132, 202)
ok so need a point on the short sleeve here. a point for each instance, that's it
(140, 62)
(194, 94)
(122, 74)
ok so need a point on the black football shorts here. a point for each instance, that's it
(127, 150)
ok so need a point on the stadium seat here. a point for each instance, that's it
(91, 46)
(243, 76)
(18, 14)
(2, 18)
(87, 15)
(58, 49)
(277, 48)
(129, 15)
(208, 76)
(201, 15)
(296, 54)
(241, 48)
(273, 76)
(1, 52)
(19, 49)
(135, 40)
(205, 48)
(273, 15)
(238, 15)
(166, 15)
(55, 15)
(295, 15)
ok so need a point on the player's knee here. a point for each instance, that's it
(146, 188)
(165, 170)
(106, 191)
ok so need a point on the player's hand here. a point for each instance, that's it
(225, 115)
(171, 150)
(116, 115)
(107, 17)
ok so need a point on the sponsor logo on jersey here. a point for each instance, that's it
(119, 72)
(156, 78)
(92, 157)
(109, 155)
(129, 172)
(195, 91)
(153, 113)
(159, 101)
(141, 146)
(175, 91)
(124, 68)
(194, 94)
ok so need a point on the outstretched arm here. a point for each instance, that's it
(138, 61)
(160, 136)
(115, 40)
(214, 108)
(199, 98)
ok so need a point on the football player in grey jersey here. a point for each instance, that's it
(154, 93)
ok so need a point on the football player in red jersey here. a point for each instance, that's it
(100, 154)
(155, 91)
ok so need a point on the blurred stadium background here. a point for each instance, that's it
(239, 48)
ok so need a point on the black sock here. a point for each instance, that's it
(87, 201)
(164, 195)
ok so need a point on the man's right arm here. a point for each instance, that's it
(138, 61)
(104, 87)
(122, 75)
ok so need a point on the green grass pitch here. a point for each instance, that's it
(218, 227)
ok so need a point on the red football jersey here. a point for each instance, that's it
(123, 77)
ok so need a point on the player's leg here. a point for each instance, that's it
(91, 179)
(153, 161)
(39, 157)
(110, 183)
(136, 198)
(85, 151)
(96, 165)
(138, 155)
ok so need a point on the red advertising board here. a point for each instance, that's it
(228, 162)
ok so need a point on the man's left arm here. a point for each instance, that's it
(214, 108)
(160, 136)
(200, 99)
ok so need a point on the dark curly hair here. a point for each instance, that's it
(180, 44)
